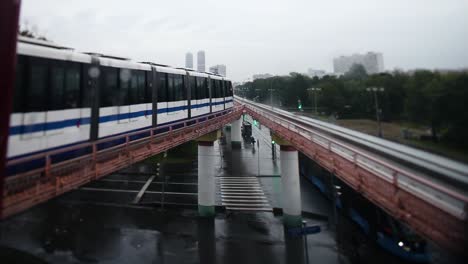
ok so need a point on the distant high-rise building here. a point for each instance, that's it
(201, 61)
(316, 73)
(219, 69)
(372, 62)
(189, 60)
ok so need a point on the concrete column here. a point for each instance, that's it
(206, 174)
(291, 190)
(236, 136)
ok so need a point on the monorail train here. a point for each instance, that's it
(63, 97)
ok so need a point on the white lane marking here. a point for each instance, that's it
(243, 194)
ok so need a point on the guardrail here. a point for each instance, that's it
(315, 139)
(26, 189)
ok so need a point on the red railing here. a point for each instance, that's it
(435, 210)
(27, 189)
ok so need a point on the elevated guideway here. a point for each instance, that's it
(24, 190)
(426, 191)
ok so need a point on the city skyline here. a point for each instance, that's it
(189, 60)
(418, 34)
(372, 62)
(201, 66)
(218, 69)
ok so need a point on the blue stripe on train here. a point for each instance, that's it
(21, 129)
(48, 126)
(38, 163)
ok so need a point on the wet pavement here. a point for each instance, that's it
(101, 223)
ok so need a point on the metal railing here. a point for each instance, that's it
(452, 200)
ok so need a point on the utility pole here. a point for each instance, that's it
(315, 90)
(375, 90)
(271, 93)
(271, 97)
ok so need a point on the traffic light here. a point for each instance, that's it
(273, 142)
(255, 122)
(299, 104)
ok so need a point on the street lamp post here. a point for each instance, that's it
(258, 95)
(375, 90)
(315, 90)
(271, 92)
(271, 97)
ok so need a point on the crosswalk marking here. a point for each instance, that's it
(242, 194)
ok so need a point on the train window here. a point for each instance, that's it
(19, 85)
(36, 92)
(219, 87)
(162, 87)
(206, 87)
(200, 88)
(180, 88)
(57, 85)
(141, 87)
(87, 90)
(230, 90)
(148, 86)
(109, 87)
(125, 90)
(171, 93)
(137, 88)
(193, 88)
(72, 86)
(223, 83)
(133, 91)
(214, 89)
(223, 88)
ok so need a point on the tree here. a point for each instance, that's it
(357, 72)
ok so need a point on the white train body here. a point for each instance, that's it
(63, 97)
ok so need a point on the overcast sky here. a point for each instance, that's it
(260, 36)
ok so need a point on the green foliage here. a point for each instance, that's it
(438, 101)
(356, 72)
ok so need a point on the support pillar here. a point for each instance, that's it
(236, 136)
(206, 174)
(291, 190)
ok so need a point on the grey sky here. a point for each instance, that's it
(257, 36)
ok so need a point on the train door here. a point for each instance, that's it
(153, 85)
(190, 87)
(210, 94)
(137, 95)
(91, 94)
(223, 83)
(162, 104)
(56, 110)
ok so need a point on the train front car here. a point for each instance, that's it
(199, 94)
(125, 97)
(228, 98)
(217, 93)
(51, 106)
(172, 103)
